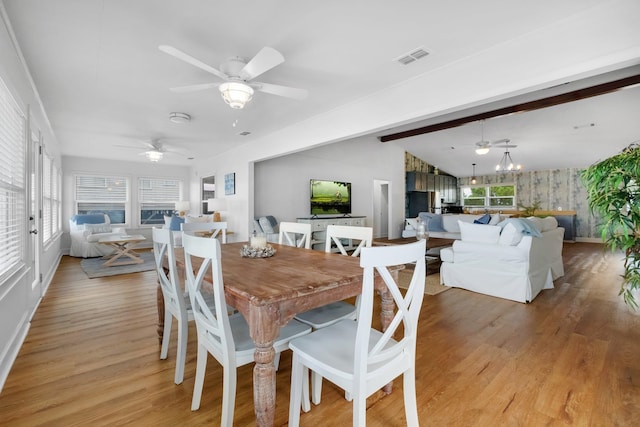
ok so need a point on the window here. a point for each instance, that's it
(490, 196)
(51, 198)
(157, 198)
(102, 194)
(12, 184)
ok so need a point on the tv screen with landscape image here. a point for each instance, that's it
(330, 197)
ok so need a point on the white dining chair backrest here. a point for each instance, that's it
(175, 303)
(369, 358)
(213, 326)
(216, 228)
(295, 234)
(337, 233)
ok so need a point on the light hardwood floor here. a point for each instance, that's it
(572, 357)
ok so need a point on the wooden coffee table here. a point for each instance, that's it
(122, 247)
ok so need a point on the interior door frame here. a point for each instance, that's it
(382, 209)
(34, 218)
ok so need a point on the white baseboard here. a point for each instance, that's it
(589, 239)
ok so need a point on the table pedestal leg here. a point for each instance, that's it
(160, 304)
(264, 330)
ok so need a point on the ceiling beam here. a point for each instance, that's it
(550, 101)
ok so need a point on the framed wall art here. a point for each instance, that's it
(230, 184)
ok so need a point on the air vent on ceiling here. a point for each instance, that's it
(412, 56)
(244, 133)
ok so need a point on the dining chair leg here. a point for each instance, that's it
(410, 404)
(360, 410)
(166, 334)
(183, 332)
(316, 384)
(228, 393)
(201, 368)
(297, 384)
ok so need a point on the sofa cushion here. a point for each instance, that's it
(432, 221)
(198, 219)
(484, 219)
(547, 223)
(97, 228)
(88, 219)
(175, 223)
(495, 219)
(479, 233)
(510, 236)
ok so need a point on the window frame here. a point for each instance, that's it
(117, 180)
(165, 200)
(488, 197)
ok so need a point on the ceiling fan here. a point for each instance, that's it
(155, 150)
(238, 86)
(482, 147)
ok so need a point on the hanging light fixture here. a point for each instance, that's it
(506, 164)
(473, 178)
(482, 146)
(154, 156)
(236, 94)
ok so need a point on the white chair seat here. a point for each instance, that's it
(329, 314)
(244, 343)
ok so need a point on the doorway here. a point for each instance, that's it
(381, 209)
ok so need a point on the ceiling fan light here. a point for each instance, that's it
(236, 94)
(179, 118)
(482, 150)
(154, 156)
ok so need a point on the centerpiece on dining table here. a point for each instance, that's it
(257, 247)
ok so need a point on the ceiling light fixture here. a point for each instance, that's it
(154, 156)
(236, 94)
(179, 118)
(482, 145)
(473, 178)
(506, 164)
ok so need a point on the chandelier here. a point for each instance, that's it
(236, 94)
(506, 164)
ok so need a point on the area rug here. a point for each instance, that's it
(432, 285)
(93, 267)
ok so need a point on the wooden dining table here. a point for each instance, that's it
(270, 291)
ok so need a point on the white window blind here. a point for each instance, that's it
(157, 197)
(12, 183)
(56, 199)
(102, 194)
(46, 198)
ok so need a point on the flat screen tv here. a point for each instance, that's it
(330, 197)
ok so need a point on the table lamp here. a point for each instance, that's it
(183, 207)
(217, 205)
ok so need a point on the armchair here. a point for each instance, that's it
(86, 230)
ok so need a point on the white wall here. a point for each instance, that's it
(17, 302)
(282, 189)
(133, 171)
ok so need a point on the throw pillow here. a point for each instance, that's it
(484, 219)
(175, 223)
(495, 219)
(432, 221)
(97, 228)
(265, 224)
(510, 236)
(479, 233)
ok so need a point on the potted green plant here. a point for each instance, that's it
(613, 188)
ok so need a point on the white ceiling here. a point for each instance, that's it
(104, 83)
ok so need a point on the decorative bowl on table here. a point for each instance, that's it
(251, 252)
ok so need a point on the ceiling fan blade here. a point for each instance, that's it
(176, 53)
(264, 60)
(285, 91)
(194, 88)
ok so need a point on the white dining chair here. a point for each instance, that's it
(295, 234)
(328, 314)
(216, 228)
(368, 358)
(176, 303)
(226, 338)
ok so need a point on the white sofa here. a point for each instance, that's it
(503, 262)
(86, 230)
(445, 226)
